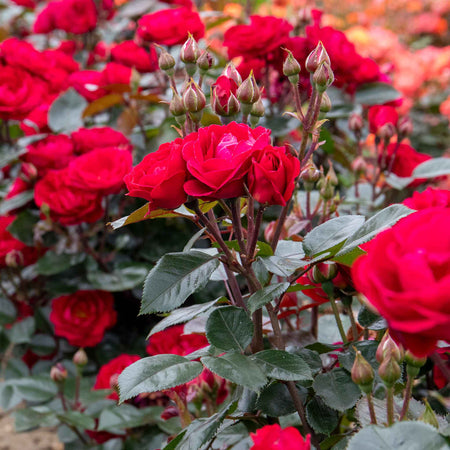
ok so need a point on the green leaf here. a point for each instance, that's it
(126, 416)
(27, 419)
(377, 223)
(65, 114)
(432, 168)
(183, 315)
(368, 350)
(348, 258)
(52, 263)
(369, 319)
(229, 328)
(172, 445)
(330, 234)
(376, 94)
(282, 365)
(321, 417)
(7, 311)
(275, 400)
(400, 436)
(16, 202)
(238, 369)
(37, 388)
(121, 279)
(77, 419)
(174, 278)
(266, 295)
(22, 227)
(156, 373)
(43, 344)
(337, 389)
(22, 331)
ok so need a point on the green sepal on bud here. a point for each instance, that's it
(323, 77)
(318, 56)
(362, 373)
(291, 68)
(176, 106)
(248, 92)
(389, 371)
(194, 99)
(325, 103)
(80, 358)
(413, 364)
(205, 62)
(166, 62)
(310, 175)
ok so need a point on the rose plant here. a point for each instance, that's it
(217, 232)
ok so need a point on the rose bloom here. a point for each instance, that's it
(83, 317)
(171, 26)
(109, 372)
(20, 93)
(68, 205)
(173, 341)
(272, 175)
(37, 121)
(52, 152)
(222, 93)
(381, 115)
(273, 437)
(8, 243)
(88, 84)
(115, 73)
(219, 157)
(159, 178)
(430, 198)
(131, 54)
(87, 139)
(101, 170)
(405, 275)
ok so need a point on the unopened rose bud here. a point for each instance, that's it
(29, 172)
(310, 175)
(362, 373)
(258, 109)
(114, 382)
(359, 165)
(223, 99)
(14, 259)
(413, 364)
(386, 131)
(176, 106)
(323, 272)
(80, 358)
(325, 103)
(166, 62)
(58, 373)
(205, 62)
(318, 56)
(194, 99)
(405, 127)
(323, 77)
(291, 68)
(389, 371)
(387, 348)
(230, 71)
(355, 123)
(327, 191)
(331, 176)
(248, 92)
(190, 51)
(429, 416)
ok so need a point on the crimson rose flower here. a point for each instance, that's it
(130, 54)
(68, 205)
(405, 275)
(223, 96)
(109, 372)
(381, 115)
(172, 340)
(273, 437)
(272, 175)
(430, 198)
(52, 152)
(160, 177)
(219, 157)
(37, 121)
(115, 73)
(171, 26)
(87, 139)
(101, 170)
(83, 317)
(88, 84)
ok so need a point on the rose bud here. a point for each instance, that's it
(256, 112)
(29, 172)
(205, 62)
(194, 99)
(318, 56)
(413, 364)
(291, 68)
(189, 51)
(166, 62)
(14, 259)
(58, 373)
(176, 106)
(359, 165)
(355, 123)
(386, 132)
(331, 176)
(405, 127)
(311, 174)
(388, 348)
(325, 104)
(362, 373)
(223, 97)
(248, 92)
(80, 358)
(323, 77)
(230, 71)
(389, 371)
(323, 272)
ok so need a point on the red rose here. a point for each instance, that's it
(83, 317)
(101, 170)
(405, 275)
(438, 377)
(272, 175)
(23, 254)
(115, 73)
(172, 340)
(108, 373)
(20, 93)
(223, 96)
(68, 205)
(37, 121)
(273, 437)
(430, 198)
(219, 157)
(88, 84)
(52, 152)
(130, 54)
(87, 139)
(160, 177)
(406, 159)
(381, 115)
(171, 26)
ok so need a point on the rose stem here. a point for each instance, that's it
(338, 319)
(390, 405)
(373, 417)
(408, 394)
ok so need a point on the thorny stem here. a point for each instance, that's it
(373, 417)
(408, 394)
(353, 323)
(338, 319)
(234, 287)
(298, 102)
(253, 238)
(280, 224)
(237, 224)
